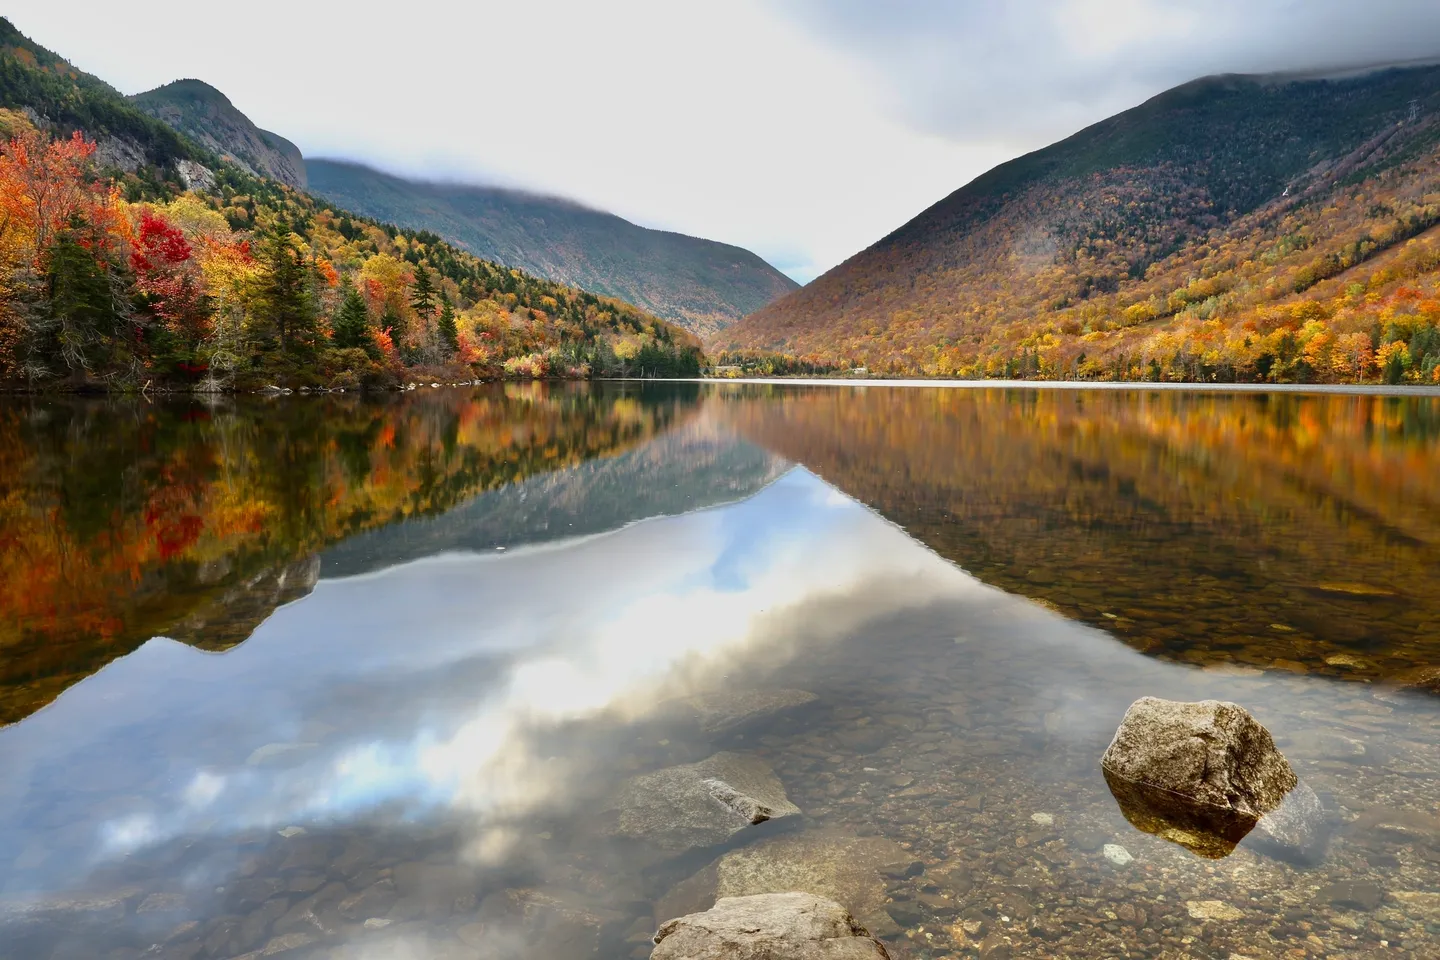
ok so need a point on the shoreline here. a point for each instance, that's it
(1351, 389)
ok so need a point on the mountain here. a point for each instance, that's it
(700, 284)
(207, 116)
(687, 469)
(135, 255)
(1192, 237)
(40, 86)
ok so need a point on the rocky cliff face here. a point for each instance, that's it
(206, 115)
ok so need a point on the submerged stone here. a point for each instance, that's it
(828, 864)
(1117, 854)
(1212, 910)
(1353, 894)
(697, 805)
(718, 713)
(542, 922)
(1198, 774)
(777, 926)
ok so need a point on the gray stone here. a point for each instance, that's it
(697, 805)
(777, 926)
(1198, 774)
(1355, 894)
(257, 924)
(286, 943)
(551, 923)
(27, 922)
(718, 713)
(375, 900)
(830, 864)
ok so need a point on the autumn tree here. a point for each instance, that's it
(170, 286)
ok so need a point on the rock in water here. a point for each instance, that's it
(697, 805)
(830, 864)
(1199, 774)
(775, 926)
(718, 713)
(549, 923)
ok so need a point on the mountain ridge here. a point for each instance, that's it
(206, 115)
(1084, 249)
(702, 284)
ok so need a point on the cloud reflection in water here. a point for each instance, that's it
(422, 688)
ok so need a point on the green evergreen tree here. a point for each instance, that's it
(83, 315)
(352, 322)
(449, 335)
(286, 307)
(422, 294)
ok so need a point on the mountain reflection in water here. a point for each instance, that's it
(1291, 531)
(422, 745)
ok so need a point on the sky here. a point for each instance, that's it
(804, 130)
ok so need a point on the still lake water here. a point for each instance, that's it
(374, 678)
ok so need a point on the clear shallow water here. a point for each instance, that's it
(310, 708)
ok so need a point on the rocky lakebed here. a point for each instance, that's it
(945, 790)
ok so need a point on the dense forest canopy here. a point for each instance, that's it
(131, 257)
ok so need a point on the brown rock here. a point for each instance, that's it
(1198, 774)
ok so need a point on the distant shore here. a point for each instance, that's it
(1356, 389)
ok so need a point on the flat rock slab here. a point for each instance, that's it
(828, 864)
(777, 926)
(698, 805)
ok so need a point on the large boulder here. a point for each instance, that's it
(697, 805)
(830, 864)
(775, 926)
(1200, 774)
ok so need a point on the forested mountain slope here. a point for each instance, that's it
(207, 116)
(701, 284)
(133, 257)
(1236, 227)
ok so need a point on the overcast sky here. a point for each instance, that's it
(801, 129)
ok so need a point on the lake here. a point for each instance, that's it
(436, 674)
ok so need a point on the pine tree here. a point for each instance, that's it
(422, 294)
(84, 314)
(449, 335)
(352, 322)
(287, 309)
